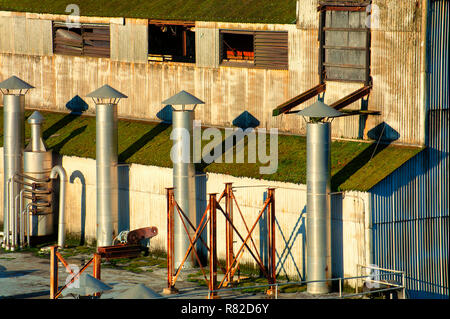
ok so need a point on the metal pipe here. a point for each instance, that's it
(13, 144)
(61, 172)
(318, 206)
(21, 221)
(107, 183)
(183, 182)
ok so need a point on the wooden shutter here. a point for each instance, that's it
(88, 40)
(271, 50)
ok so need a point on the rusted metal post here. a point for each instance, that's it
(229, 230)
(212, 247)
(170, 242)
(97, 269)
(53, 272)
(271, 241)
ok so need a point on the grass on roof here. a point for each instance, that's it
(247, 11)
(354, 165)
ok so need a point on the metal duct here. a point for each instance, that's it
(318, 206)
(37, 163)
(13, 143)
(107, 183)
(61, 172)
(184, 183)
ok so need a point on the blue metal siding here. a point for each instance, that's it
(410, 216)
(410, 208)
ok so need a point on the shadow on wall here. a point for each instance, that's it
(337, 237)
(383, 135)
(76, 106)
(165, 114)
(77, 174)
(201, 204)
(123, 173)
(288, 243)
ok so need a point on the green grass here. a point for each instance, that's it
(256, 11)
(354, 165)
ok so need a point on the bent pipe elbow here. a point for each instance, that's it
(61, 172)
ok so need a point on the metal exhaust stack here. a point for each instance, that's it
(106, 99)
(37, 163)
(183, 171)
(318, 202)
(14, 90)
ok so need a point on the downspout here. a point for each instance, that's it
(59, 171)
(424, 70)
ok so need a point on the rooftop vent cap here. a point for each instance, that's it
(36, 118)
(106, 95)
(15, 85)
(319, 112)
(183, 98)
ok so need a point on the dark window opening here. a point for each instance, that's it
(174, 43)
(344, 44)
(258, 49)
(86, 40)
(237, 48)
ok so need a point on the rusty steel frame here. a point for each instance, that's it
(299, 99)
(172, 205)
(232, 261)
(55, 256)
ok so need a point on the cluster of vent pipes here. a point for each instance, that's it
(28, 173)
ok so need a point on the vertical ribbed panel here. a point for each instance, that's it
(439, 34)
(410, 216)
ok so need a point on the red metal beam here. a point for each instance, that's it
(288, 105)
(352, 97)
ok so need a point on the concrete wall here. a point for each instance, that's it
(142, 202)
(229, 91)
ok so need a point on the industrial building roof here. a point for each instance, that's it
(246, 11)
(354, 165)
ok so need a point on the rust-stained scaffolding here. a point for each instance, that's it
(232, 260)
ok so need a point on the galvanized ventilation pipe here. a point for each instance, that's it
(318, 201)
(106, 99)
(61, 172)
(14, 90)
(183, 172)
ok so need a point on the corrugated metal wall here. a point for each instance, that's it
(410, 216)
(20, 35)
(229, 91)
(129, 42)
(438, 57)
(411, 207)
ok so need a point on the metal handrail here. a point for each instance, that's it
(340, 279)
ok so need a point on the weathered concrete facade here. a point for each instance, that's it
(396, 61)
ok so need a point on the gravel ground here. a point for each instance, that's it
(24, 275)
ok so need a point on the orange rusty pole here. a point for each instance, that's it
(229, 230)
(271, 240)
(170, 242)
(53, 272)
(212, 247)
(97, 269)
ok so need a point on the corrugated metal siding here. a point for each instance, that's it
(25, 36)
(410, 216)
(207, 50)
(129, 42)
(438, 60)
